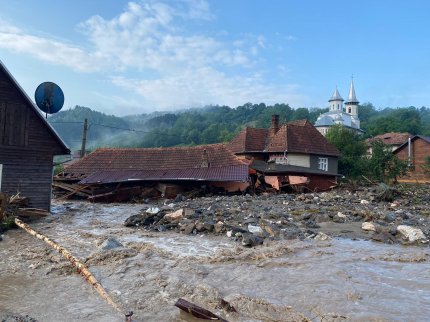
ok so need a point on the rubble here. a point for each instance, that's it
(251, 219)
(411, 234)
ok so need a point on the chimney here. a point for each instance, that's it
(275, 123)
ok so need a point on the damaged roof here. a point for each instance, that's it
(293, 137)
(392, 138)
(212, 162)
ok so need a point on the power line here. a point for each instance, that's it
(118, 128)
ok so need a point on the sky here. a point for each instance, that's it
(123, 58)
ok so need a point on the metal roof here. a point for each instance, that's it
(336, 96)
(238, 173)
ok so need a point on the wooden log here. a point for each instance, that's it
(81, 268)
(32, 212)
(197, 311)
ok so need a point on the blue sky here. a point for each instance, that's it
(123, 57)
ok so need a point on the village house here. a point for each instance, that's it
(416, 152)
(288, 154)
(392, 140)
(28, 145)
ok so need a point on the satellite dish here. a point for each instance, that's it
(49, 97)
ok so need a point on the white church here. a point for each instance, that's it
(339, 114)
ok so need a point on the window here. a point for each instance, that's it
(323, 164)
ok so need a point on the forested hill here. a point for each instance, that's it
(214, 124)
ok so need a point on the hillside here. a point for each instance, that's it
(214, 124)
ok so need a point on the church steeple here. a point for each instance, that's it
(352, 102)
(336, 101)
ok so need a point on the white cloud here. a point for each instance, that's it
(48, 50)
(176, 68)
(207, 86)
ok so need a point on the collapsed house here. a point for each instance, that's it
(27, 145)
(292, 155)
(285, 155)
(118, 173)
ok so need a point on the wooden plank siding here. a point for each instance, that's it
(27, 146)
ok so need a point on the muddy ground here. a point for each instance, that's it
(312, 261)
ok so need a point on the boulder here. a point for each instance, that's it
(255, 229)
(251, 240)
(218, 227)
(139, 220)
(174, 216)
(152, 210)
(110, 243)
(368, 226)
(322, 236)
(411, 234)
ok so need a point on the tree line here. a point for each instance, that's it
(213, 124)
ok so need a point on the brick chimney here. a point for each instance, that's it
(275, 124)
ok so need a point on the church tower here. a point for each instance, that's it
(351, 105)
(336, 101)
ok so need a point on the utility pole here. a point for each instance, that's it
(84, 138)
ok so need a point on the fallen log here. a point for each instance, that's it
(81, 268)
(32, 212)
(197, 311)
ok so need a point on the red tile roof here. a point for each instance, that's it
(146, 162)
(392, 138)
(249, 140)
(294, 137)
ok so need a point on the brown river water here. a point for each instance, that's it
(334, 280)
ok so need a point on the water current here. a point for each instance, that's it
(335, 280)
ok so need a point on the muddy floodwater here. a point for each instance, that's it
(291, 280)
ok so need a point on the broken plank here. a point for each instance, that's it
(197, 311)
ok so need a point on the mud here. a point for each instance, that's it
(338, 279)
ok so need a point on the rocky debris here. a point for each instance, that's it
(16, 318)
(342, 212)
(368, 226)
(411, 234)
(251, 240)
(174, 216)
(110, 243)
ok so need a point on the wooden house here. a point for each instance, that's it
(27, 145)
(416, 151)
(289, 153)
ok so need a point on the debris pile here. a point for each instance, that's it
(360, 213)
(16, 206)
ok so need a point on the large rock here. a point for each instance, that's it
(255, 229)
(368, 226)
(110, 243)
(411, 234)
(174, 216)
(251, 240)
(139, 220)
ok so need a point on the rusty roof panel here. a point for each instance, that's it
(238, 173)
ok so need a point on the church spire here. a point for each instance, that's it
(336, 96)
(352, 99)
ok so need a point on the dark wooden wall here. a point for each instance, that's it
(27, 147)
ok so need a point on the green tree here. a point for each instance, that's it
(352, 161)
(384, 166)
